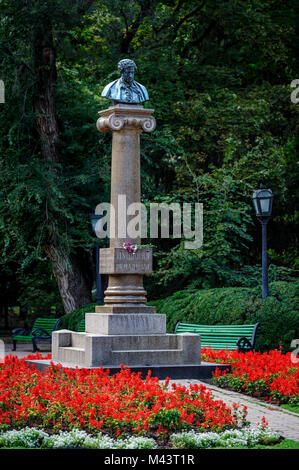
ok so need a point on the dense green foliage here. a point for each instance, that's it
(277, 315)
(218, 75)
(72, 320)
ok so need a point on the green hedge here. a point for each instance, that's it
(71, 320)
(278, 314)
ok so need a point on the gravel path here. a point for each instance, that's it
(285, 422)
(24, 349)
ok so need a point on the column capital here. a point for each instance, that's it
(122, 116)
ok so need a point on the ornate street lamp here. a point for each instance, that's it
(94, 220)
(262, 202)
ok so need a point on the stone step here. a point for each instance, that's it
(78, 340)
(106, 350)
(139, 342)
(71, 355)
(147, 356)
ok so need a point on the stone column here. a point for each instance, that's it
(124, 330)
(125, 292)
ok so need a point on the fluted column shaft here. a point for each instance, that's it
(127, 123)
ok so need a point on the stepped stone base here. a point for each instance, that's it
(136, 340)
(132, 339)
(201, 371)
(125, 324)
(96, 350)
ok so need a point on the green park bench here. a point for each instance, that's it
(232, 337)
(41, 331)
(81, 327)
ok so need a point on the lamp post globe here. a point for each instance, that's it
(262, 203)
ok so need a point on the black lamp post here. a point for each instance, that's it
(262, 202)
(99, 297)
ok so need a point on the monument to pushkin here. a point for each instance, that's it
(125, 330)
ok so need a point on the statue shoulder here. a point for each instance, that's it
(107, 90)
(143, 90)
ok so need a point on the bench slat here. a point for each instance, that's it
(81, 327)
(222, 332)
(216, 329)
(220, 336)
(46, 324)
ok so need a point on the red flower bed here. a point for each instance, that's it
(271, 375)
(61, 398)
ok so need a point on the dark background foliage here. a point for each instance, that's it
(218, 75)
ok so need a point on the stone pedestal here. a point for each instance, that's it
(127, 122)
(125, 330)
(105, 350)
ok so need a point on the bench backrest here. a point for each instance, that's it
(47, 324)
(219, 336)
(81, 327)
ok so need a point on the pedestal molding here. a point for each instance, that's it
(118, 117)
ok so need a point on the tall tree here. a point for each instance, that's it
(40, 27)
(218, 75)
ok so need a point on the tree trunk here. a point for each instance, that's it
(4, 308)
(44, 55)
(74, 278)
(72, 275)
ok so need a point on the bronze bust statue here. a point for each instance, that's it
(125, 89)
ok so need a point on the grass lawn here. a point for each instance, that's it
(294, 408)
(285, 444)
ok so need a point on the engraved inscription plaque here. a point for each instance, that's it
(120, 261)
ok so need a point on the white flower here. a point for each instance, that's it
(230, 438)
(33, 438)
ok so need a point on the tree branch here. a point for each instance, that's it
(132, 29)
(125, 19)
(20, 64)
(199, 40)
(86, 7)
(181, 21)
(186, 18)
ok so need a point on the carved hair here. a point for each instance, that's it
(124, 63)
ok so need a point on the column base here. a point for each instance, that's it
(125, 324)
(117, 309)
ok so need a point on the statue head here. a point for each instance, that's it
(126, 89)
(126, 68)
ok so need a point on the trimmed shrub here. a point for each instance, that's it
(278, 314)
(71, 320)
